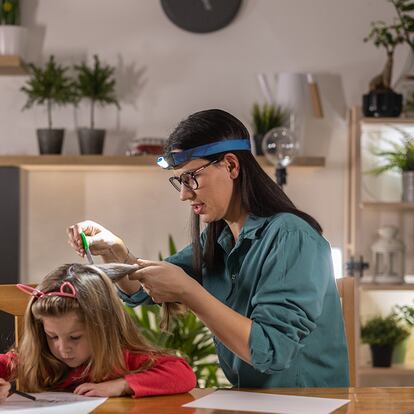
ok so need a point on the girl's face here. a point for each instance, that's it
(67, 339)
(212, 199)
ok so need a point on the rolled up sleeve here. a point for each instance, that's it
(288, 300)
(183, 258)
(138, 298)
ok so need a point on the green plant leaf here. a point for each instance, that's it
(49, 85)
(97, 84)
(266, 117)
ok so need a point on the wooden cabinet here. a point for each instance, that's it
(375, 201)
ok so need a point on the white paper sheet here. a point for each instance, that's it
(267, 403)
(50, 402)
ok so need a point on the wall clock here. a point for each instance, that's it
(201, 16)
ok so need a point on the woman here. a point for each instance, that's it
(259, 276)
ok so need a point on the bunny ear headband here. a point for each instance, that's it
(39, 294)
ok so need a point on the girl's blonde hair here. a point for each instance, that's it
(110, 329)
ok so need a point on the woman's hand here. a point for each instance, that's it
(114, 388)
(164, 282)
(101, 241)
(4, 389)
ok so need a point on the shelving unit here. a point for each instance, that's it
(12, 65)
(369, 207)
(122, 160)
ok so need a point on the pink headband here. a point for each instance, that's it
(39, 294)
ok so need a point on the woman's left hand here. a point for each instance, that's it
(163, 281)
(113, 388)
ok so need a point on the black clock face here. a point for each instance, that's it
(201, 16)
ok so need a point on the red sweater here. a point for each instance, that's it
(168, 375)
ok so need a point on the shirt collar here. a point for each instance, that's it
(251, 229)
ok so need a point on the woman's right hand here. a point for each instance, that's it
(4, 389)
(101, 241)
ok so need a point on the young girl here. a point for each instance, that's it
(77, 337)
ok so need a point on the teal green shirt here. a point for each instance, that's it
(279, 274)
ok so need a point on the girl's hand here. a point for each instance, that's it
(4, 389)
(163, 281)
(113, 388)
(101, 241)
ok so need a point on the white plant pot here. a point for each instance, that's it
(408, 186)
(12, 40)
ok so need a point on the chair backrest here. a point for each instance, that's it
(14, 302)
(347, 291)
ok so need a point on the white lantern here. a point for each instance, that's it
(388, 256)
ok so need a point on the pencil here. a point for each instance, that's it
(23, 394)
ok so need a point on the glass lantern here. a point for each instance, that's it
(388, 256)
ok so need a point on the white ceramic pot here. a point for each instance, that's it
(408, 186)
(12, 40)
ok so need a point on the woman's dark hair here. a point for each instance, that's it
(260, 195)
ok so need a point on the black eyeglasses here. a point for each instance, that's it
(188, 179)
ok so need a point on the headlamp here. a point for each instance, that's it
(174, 159)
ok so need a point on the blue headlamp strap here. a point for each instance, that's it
(173, 159)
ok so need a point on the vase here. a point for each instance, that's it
(405, 85)
(91, 141)
(382, 104)
(400, 351)
(12, 40)
(408, 186)
(409, 355)
(258, 139)
(381, 355)
(50, 140)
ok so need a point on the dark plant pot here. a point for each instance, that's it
(50, 140)
(91, 141)
(382, 104)
(258, 140)
(381, 355)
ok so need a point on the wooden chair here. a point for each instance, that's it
(14, 302)
(347, 291)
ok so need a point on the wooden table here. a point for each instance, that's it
(362, 400)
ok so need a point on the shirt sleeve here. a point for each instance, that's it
(168, 375)
(138, 298)
(183, 259)
(7, 362)
(288, 299)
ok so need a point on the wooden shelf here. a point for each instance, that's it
(121, 160)
(393, 370)
(297, 162)
(386, 286)
(12, 65)
(366, 283)
(387, 205)
(397, 120)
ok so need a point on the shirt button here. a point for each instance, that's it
(233, 276)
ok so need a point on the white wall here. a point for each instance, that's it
(166, 73)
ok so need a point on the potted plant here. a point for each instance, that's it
(49, 86)
(264, 118)
(399, 157)
(187, 337)
(406, 314)
(97, 84)
(382, 335)
(12, 35)
(382, 101)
